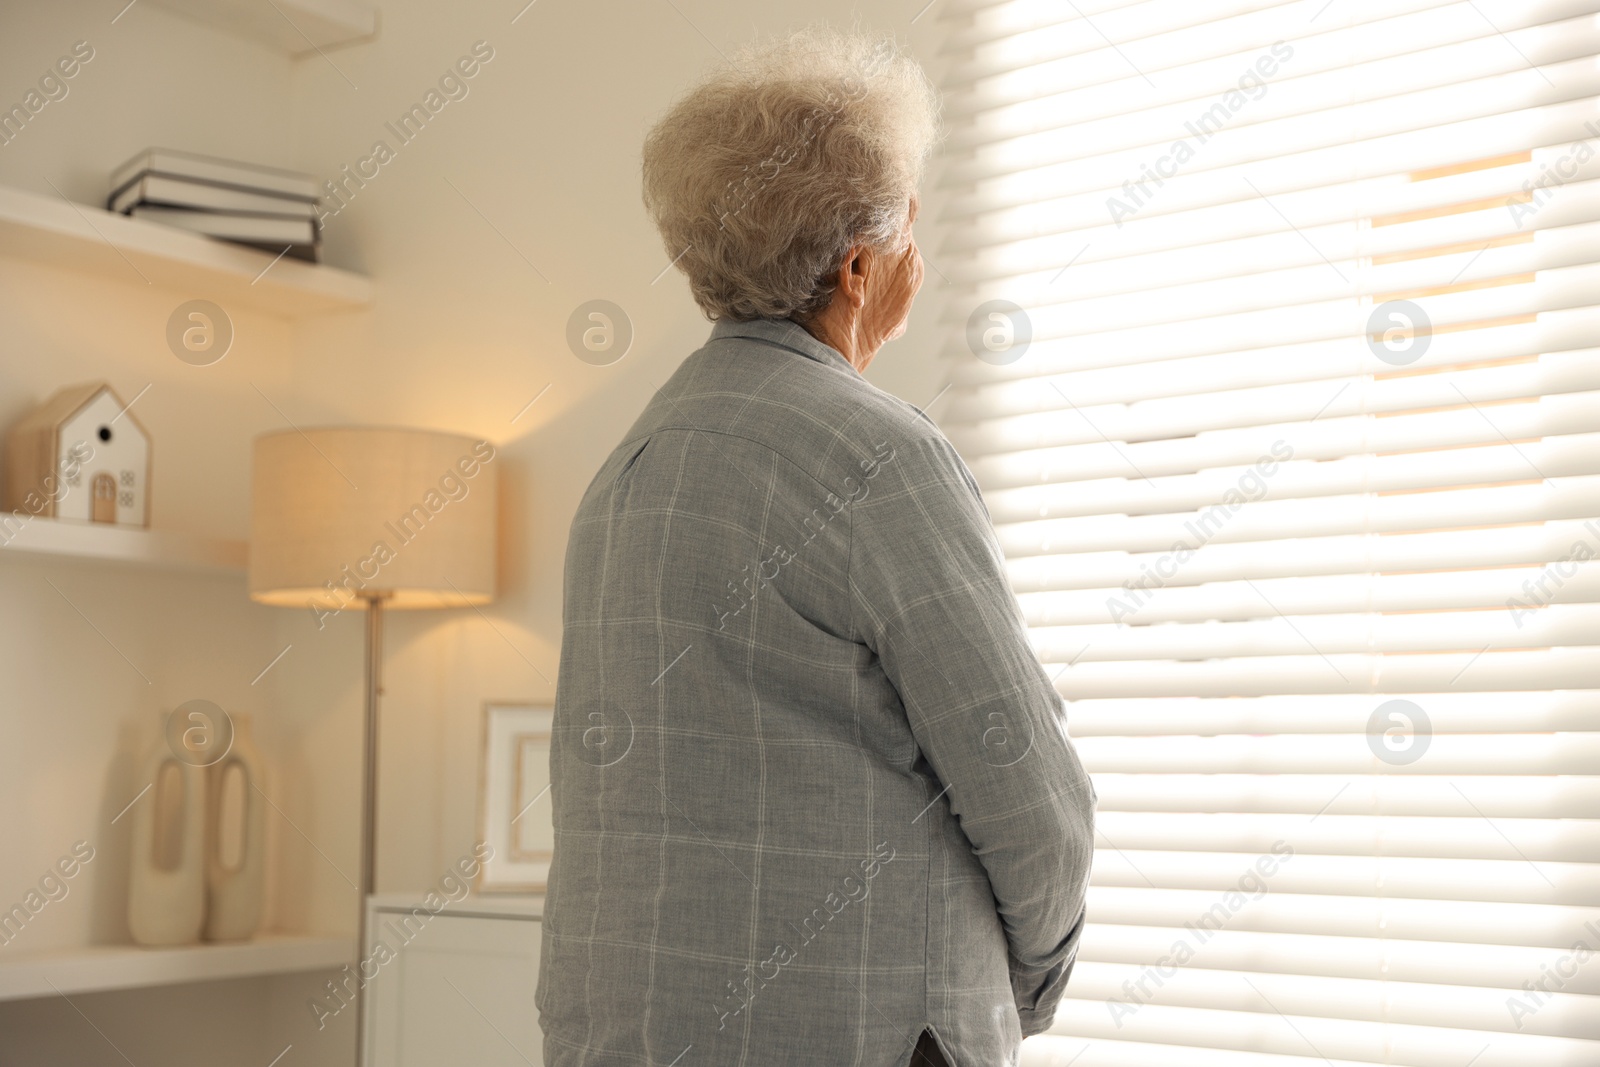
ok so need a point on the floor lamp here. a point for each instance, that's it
(373, 519)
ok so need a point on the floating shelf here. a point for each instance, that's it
(298, 27)
(49, 229)
(491, 905)
(98, 968)
(42, 538)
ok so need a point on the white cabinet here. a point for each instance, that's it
(459, 986)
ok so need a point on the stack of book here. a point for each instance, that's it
(272, 210)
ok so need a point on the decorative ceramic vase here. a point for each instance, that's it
(236, 852)
(167, 889)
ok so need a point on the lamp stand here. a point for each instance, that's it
(369, 803)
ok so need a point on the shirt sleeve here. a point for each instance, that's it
(931, 598)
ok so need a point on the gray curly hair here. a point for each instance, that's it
(766, 173)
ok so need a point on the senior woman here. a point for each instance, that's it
(814, 799)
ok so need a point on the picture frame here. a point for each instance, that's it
(514, 811)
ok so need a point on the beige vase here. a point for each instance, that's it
(167, 887)
(236, 840)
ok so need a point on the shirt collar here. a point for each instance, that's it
(785, 333)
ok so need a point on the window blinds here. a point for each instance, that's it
(1287, 412)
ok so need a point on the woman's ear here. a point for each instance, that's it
(856, 267)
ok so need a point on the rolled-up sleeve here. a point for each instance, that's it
(931, 599)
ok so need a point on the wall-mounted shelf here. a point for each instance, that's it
(97, 968)
(298, 27)
(48, 229)
(477, 905)
(51, 539)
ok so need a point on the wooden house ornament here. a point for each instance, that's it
(81, 456)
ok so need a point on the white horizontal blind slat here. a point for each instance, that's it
(1084, 193)
(1266, 95)
(1057, 95)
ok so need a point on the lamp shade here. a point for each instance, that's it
(340, 515)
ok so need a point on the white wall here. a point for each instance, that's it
(464, 332)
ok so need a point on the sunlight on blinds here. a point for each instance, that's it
(1286, 406)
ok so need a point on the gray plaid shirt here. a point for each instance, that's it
(813, 791)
